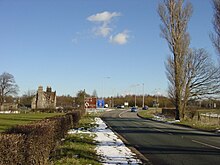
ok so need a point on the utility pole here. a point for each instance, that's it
(135, 99)
(143, 96)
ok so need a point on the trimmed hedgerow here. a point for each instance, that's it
(12, 149)
(33, 143)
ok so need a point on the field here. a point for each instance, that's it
(10, 120)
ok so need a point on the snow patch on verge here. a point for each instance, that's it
(164, 119)
(110, 148)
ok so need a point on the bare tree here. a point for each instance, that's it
(216, 23)
(175, 17)
(7, 86)
(26, 98)
(201, 77)
(205, 76)
(80, 98)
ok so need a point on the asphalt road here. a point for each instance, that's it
(165, 144)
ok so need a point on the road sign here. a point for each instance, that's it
(90, 102)
(100, 103)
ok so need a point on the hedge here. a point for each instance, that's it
(33, 143)
(12, 149)
(171, 112)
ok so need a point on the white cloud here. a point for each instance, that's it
(104, 27)
(120, 38)
(103, 17)
(103, 30)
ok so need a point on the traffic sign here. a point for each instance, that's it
(90, 102)
(100, 103)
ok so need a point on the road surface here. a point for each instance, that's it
(165, 144)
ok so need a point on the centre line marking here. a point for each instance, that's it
(208, 145)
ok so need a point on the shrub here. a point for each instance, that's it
(33, 143)
(11, 149)
(169, 112)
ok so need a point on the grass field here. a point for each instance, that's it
(10, 120)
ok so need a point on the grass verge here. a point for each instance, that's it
(9, 120)
(199, 125)
(149, 113)
(78, 148)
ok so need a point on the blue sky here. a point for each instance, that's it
(73, 45)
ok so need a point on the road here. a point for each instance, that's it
(165, 144)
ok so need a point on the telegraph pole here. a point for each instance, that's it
(143, 96)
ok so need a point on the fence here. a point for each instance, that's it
(208, 118)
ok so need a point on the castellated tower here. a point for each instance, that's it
(44, 100)
(40, 99)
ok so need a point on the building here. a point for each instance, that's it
(8, 106)
(44, 100)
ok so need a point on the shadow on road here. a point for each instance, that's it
(165, 143)
(143, 129)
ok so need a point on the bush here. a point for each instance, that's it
(12, 149)
(33, 143)
(171, 112)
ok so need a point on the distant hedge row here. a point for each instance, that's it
(169, 112)
(51, 110)
(33, 143)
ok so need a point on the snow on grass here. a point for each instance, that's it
(110, 148)
(164, 119)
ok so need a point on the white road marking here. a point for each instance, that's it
(159, 130)
(162, 131)
(122, 113)
(208, 145)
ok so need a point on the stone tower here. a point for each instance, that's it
(44, 100)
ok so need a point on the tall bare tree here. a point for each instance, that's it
(175, 17)
(216, 23)
(201, 77)
(7, 86)
(80, 96)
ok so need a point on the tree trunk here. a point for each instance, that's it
(177, 116)
(177, 88)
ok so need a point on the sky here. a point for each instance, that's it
(111, 46)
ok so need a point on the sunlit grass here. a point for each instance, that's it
(9, 120)
(149, 113)
(199, 125)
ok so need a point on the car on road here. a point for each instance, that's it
(120, 106)
(145, 108)
(133, 109)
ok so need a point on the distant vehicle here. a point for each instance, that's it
(145, 108)
(120, 106)
(133, 109)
